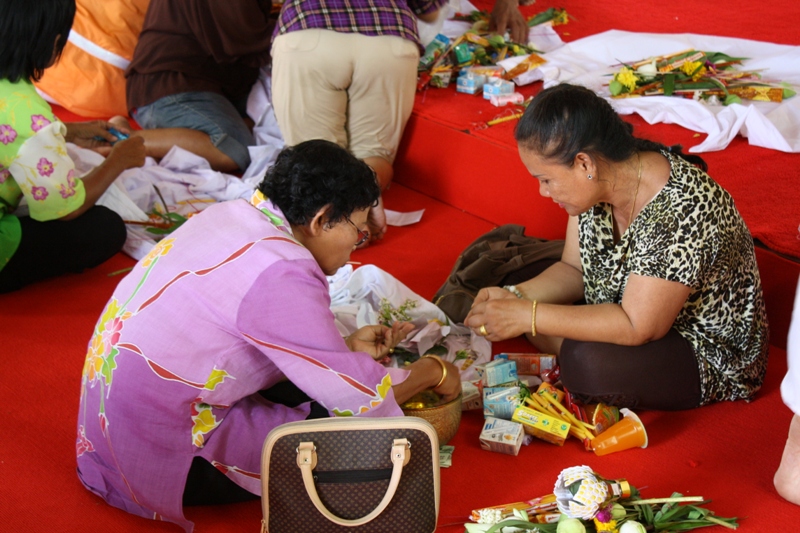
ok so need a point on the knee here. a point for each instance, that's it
(108, 235)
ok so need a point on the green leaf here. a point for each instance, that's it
(647, 514)
(788, 93)
(669, 84)
(522, 524)
(732, 99)
(615, 88)
(574, 487)
(176, 217)
(159, 231)
(437, 349)
(545, 16)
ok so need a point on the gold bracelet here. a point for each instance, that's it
(533, 319)
(444, 369)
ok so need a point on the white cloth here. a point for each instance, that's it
(790, 387)
(356, 299)
(590, 62)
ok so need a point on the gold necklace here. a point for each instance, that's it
(636, 193)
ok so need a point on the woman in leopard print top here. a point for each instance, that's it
(675, 314)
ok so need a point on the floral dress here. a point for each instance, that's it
(33, 164)
(691, 233)
(228, 305)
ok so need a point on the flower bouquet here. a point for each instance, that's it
(710, 76)
(583, 501)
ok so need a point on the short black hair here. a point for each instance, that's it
(565, 119)
(29, 29)
(314, 174)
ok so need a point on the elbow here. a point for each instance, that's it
(641, 336)
(430, 18)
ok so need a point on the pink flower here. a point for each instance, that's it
(83, 444)
(4, 174)
(45, 167)
(7, 134)
(38, 122)
(71, 180)
(39, 193)
(66, 191)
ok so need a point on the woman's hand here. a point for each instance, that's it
(491, 293)
(378, 341)
(126, 154)
(424, 374)
(451, 386)
(500, 318)
(83, 134)
(506, 15)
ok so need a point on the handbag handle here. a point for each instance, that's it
(307, 461)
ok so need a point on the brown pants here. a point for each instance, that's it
(661, 375)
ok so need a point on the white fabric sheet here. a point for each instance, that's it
(356, 297)
(590, 61)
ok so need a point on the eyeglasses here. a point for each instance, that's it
(363, 236)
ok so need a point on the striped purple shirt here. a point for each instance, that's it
(367, 17)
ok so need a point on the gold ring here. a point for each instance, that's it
(391, 350)
(483, 331)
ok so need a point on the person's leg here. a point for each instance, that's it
(380, 101)
(787, 477)
(661, 374)
(205, 485)
(310, 77)
(204, 123)
(57, 247)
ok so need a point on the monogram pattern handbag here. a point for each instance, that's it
(375, 475)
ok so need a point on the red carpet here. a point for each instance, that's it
(725, 452)
(478, 169)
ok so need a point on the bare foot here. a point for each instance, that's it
(787, 478)
(376, 221)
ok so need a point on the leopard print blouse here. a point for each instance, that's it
(691, 233)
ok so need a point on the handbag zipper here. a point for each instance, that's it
(352, 476)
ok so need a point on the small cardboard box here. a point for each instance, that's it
(530, 364)
(470, 396)
(501, 403)
(501, 436)
(542, 426)
(498, 371)
(497, 87)
(470, 83)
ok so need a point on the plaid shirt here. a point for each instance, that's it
(367, 17)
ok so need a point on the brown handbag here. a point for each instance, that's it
(351, 474)
(488, 261)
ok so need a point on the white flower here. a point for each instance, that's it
(647, 71)
(591, 495)
(570, 525)
(632, 526)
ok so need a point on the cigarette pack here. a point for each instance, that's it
(490, 71)
(497, 87)
(470, 83)
(497, 371)
(531, 364)
(501, 436)
(542, 426)
(501, 403)
(505, 99)
(470, 396)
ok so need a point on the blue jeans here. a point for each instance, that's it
(208, 112)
